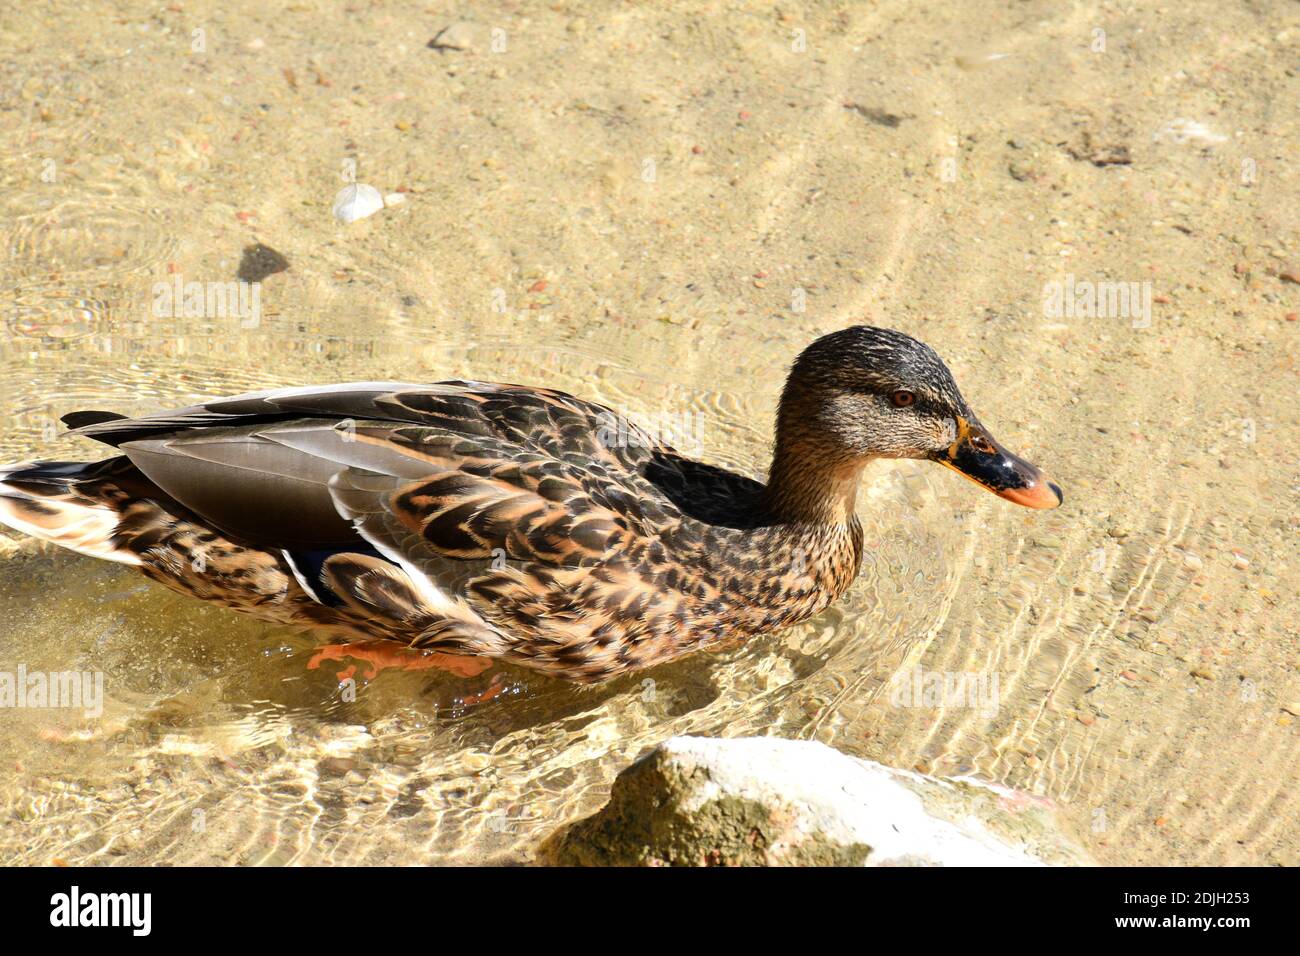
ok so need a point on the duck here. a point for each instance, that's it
(493, 522)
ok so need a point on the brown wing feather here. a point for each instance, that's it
(540, 420)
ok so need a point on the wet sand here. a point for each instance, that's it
(657, 208)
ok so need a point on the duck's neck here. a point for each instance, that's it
(809, 485)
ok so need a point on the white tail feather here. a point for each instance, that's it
(74, 524)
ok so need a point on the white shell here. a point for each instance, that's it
(356, 201)
(1183, 130)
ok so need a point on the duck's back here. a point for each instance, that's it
(258, 465)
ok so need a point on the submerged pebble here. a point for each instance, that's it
(457, 36)
(357, 201)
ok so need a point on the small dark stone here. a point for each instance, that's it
(260, 261)
(878, 116)
(1090, 149)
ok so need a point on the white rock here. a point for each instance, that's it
(1183, 130)
(802, 802)
(356, 201)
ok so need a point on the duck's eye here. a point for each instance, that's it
(902, 398)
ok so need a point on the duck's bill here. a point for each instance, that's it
(978, 457)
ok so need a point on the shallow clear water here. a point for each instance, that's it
(657, 209)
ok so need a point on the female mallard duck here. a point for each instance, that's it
(509, 522)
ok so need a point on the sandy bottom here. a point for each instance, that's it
(657, 207)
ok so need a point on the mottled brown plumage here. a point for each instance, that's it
(510, 522)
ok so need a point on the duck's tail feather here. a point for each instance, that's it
(82, 419)
(65, 502)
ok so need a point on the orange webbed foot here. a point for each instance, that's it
(383, 655)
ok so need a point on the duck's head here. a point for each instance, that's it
(864, 393)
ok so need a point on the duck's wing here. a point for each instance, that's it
(352, 399)
(545, 421)
(426, 474)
